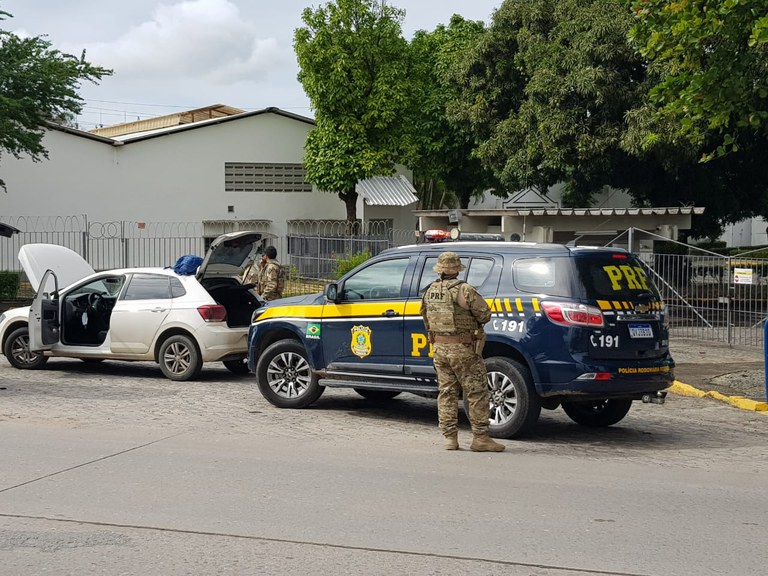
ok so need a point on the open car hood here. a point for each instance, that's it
(67, 264)
(228, 254)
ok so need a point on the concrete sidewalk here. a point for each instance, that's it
(735, 375)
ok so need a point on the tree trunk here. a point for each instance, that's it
(350, 201)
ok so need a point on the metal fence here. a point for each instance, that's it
(709, 296)
(315, 247)
(105, 245)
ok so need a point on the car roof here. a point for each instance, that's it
(502, 248)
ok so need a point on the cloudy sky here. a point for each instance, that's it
(172, 55)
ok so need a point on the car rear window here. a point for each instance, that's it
(615, 276)
(593, 276)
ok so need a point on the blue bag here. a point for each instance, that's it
(187, 265)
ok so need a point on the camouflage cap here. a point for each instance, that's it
(448, 263)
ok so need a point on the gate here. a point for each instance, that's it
(709, 296)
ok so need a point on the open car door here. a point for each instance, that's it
(44, 314)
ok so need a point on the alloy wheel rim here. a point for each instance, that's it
(289, 375)
(21, 352)
(177, 358)
(502, 397)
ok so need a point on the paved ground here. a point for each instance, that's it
(112, 469)
(728, 370)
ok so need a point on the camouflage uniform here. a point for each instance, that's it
(454, 314)
(251, 273)
(268, 283)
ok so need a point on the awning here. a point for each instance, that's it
(387, 191)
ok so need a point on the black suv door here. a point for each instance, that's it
(481, 271)
(362, 331)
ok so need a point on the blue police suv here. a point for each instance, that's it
(580, 328)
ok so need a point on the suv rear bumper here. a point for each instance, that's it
(627, 380)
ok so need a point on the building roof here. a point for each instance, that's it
(659, 211)
(167, 121)
(119, 140)
(387, 191)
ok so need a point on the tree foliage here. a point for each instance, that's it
(548, 90)
(707, 111)
(712, 59)
(442, 152)
(557, 91)
(353, 67)
(38, 84)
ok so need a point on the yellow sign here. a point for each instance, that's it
(629, 277)
(645, 370)
(419, 344)
(361, 341)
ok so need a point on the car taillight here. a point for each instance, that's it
(595, 376)
(573, 314)
(213, 313)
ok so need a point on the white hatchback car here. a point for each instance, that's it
(134, 313)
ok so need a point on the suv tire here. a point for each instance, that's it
(598, 413)
(285, 377)
(514, 404)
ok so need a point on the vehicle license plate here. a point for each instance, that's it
(640, 331)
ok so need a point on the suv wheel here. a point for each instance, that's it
(285, 377)
(17, 351)
(598, 413)
(514, 404)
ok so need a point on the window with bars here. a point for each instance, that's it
(256, 177)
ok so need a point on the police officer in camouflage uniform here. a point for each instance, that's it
(454, 314)
(268, 281)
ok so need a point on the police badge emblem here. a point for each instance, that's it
(361, 341)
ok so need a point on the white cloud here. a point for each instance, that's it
(207, 39)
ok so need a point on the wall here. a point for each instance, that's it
(175, 177)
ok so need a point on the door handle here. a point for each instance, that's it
(390, 313)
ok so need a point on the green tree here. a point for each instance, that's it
(707, 112)
(38, 84)
(353, 67)
(556, 91)
(712, 60)
(547, 92)
(446, 171)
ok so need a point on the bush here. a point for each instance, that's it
(9, 285)
(345, 263)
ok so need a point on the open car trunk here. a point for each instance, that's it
(237, 298)
(219, 275)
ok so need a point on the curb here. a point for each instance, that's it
(737, 401)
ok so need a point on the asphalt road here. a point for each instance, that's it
(112, 469)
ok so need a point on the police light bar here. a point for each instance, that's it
(457, 234)
(437, 236)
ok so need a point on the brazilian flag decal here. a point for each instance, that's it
(313, 331)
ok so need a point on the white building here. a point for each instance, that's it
(217, 166)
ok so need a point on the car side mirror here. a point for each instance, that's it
(332, 292)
